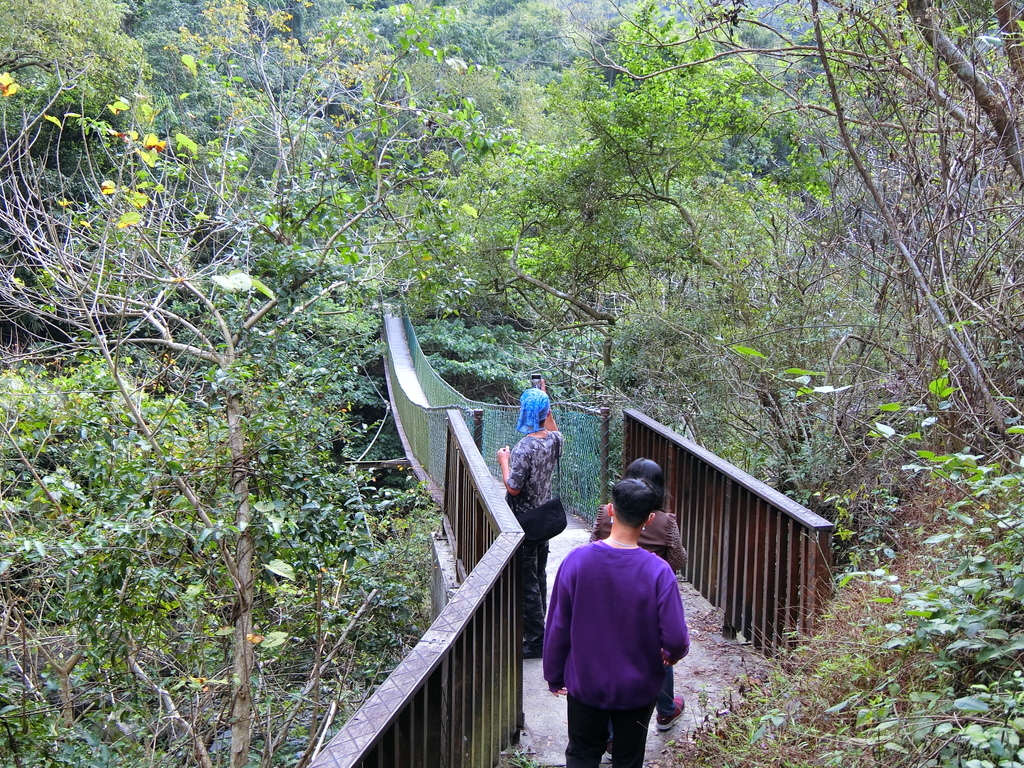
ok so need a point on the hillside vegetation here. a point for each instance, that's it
(790, 231)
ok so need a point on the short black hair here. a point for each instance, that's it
(648, 470)
(634, 500)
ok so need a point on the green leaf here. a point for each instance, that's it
(259, 286)
(128, 219)
(940, 388)
(193, 591)
(273, 639)
(1016, 644)
(470, 211)
(970, 704)
(190, 64)
(281, 568)
(889, 407)
(225, 631)
(938, 538)
(54, 120)
(181, 141)
(745, 351)
(233, 282)
(1015, 430)
(802, 372)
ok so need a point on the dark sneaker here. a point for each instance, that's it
(532, 653)
(667, 721)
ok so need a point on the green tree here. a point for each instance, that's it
(201, 257)
(80, 44)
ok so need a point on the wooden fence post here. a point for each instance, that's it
(605, 413)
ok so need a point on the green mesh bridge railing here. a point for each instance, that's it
(588, 431)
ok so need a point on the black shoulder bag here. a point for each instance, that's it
(545, 521)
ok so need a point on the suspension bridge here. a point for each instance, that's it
(456, 701)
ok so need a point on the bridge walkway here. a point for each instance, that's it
(706, 679)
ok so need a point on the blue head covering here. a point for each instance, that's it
(533, 409)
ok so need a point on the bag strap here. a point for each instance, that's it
(558, 464)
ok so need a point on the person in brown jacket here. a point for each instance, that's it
(660, 536)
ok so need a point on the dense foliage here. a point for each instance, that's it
(112, 585)
(791, 232)
(193, 555)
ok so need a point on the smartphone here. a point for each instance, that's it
(535, 380)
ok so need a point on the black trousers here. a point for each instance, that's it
(588, 734)
(535, 593)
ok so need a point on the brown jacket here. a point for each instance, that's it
(660, 536)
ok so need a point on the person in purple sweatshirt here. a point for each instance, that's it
(615, 619)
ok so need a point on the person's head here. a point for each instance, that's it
(645, 469)
(633, 500)
(533, 409)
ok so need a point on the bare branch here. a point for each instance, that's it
(582, 306)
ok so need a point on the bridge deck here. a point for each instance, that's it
(405, 372)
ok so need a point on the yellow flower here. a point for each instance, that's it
(152, 142)
(7, 85)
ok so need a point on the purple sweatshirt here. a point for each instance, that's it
(612, 612)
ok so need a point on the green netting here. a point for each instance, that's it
(588, 432)
(426, 429)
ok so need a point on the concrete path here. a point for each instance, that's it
(711, 674)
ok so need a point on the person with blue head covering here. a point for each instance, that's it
(527, 471)
(534, 406)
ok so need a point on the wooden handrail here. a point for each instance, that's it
(754, 552)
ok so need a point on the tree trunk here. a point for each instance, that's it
(241, 701)
(989, 100)
(921, 11)
(1009, 18)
